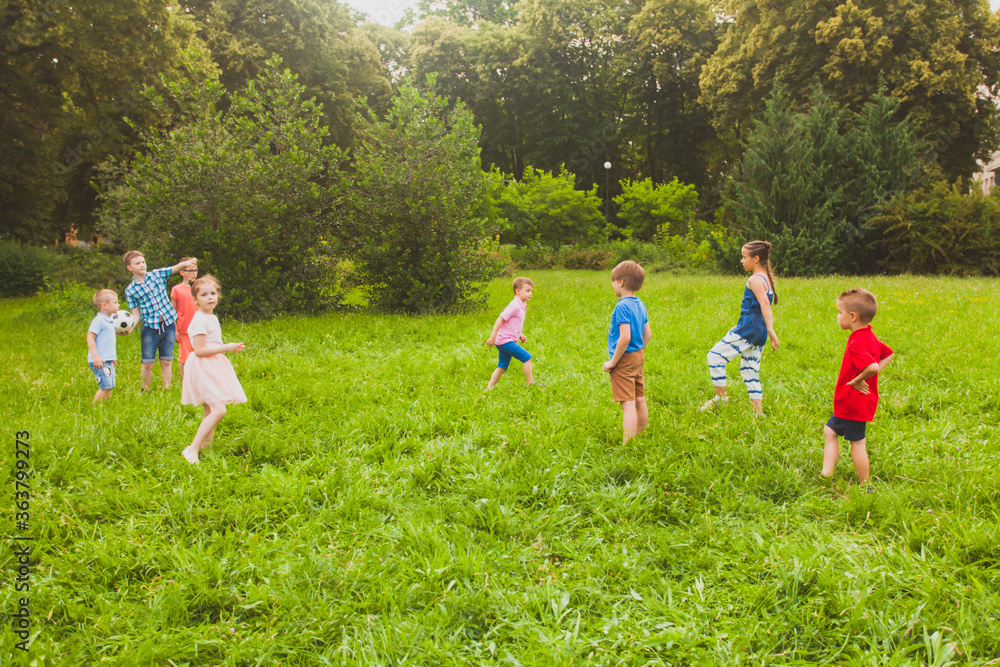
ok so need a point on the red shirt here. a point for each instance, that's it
(186, 309)
(863, 350)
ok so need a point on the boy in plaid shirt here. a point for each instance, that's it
(147, 297)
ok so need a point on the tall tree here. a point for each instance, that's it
(939, 58)
(65, 90)
(318, 40)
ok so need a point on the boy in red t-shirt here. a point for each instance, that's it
(856, 394)
(180, 299)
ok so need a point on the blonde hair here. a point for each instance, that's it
(519, 283)
(103, 296)
(860, 301)
(201, 282)
(762, 251)
(630, 273)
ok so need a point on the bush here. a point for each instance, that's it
(648, 209)
(66, 300)
(244, 183)
(421, 218)
(548, 209)
(941, 228)
(92, 267)
(23, 269)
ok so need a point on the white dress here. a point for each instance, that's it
(209, 379)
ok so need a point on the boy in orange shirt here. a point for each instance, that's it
(180, 299)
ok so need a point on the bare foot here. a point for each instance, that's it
(190, 454)
(205, 445)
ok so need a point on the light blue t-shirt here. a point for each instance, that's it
(631, 311)
(105, 341)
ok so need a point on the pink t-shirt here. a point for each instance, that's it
(513, 322)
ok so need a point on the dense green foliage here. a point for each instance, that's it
(546, 208)
(399, 515)
(937, 58)
(647, 208)
(811, 181)
(941, 228)
(22, 269)
(246, 187)
(420, 214)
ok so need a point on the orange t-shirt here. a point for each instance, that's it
(181, 294)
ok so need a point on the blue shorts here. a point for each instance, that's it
(105, 376)
(158, 340)
(848, 429)
(511, 349)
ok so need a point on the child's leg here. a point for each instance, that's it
(831, 450)
(495, 377)
(750, 372)
(147, 375)
(641, 415)
(101, 395)
(166, 368)
(859, 454)
(629, 421)
(211, 434)
(214, 414)
(526, 367)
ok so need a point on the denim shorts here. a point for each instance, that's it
(158, 340)
(105, 375)
(848, 429)
(508, 350)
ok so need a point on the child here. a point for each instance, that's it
(755, 326)
(181, 301)
(856, 394)
(101, 345)
(209, 378)
(626, 348)
(507, 334)
(147, 297)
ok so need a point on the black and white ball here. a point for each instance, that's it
(123, 321)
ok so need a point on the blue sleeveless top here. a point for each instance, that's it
(751, 326)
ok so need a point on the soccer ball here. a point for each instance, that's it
(123, 321)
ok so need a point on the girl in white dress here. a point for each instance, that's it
(209, 378)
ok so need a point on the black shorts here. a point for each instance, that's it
(848, 429)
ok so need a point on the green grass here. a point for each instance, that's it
(371, 505)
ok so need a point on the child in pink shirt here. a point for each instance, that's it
(507, 334)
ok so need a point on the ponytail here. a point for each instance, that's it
(762, 251)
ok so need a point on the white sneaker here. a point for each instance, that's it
(710, 403)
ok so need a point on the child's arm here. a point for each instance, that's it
(624, 338)
(885, 362)
(647, 333)
(493, 334)
(760, 291)
(182, 265)
(173, 302)
(92, 346)
(200, 348)
(859, 383)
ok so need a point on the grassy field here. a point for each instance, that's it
(372, 505)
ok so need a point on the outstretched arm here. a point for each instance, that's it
(201, 348)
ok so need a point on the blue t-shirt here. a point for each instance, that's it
(104, 327)
(631, 311)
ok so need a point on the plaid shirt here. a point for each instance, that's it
(150, 297)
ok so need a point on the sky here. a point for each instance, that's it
(387, 12)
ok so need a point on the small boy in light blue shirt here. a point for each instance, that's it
(102, 355)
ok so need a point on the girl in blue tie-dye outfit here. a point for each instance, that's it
(746, 340)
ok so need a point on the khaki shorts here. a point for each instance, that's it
(627, 381)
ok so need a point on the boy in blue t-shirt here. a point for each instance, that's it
(625, 348)
(102, 356)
